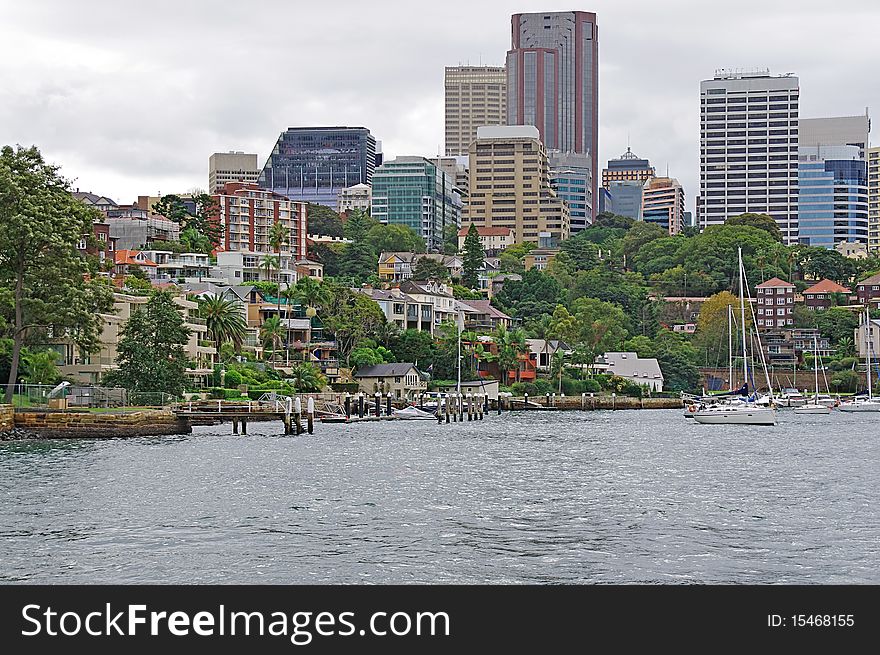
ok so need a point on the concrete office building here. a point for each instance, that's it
(312, 164)
(832, 196)
(836, 131)
(475, 96)
(354, 197)
(663, 204)
(627, 168)
(510, 186)
(233, 166)
(553, 81)
(571, 177)
(749, 148)
(873, 156)
(413, 191)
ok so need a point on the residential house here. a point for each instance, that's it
(544, 350)
(820, 295)
(868, 290)
(482, 356)
(438, 294)
(481, 316)
(496, 283)
(630, 366)
(104, 246)
(403, 310)
(852, 249)
(482, 387)
(775, 304)
(539, 258)
(242, 267)
(492, 239)
(398, 266)
(177, 267)
(402, 380)
(867, 336)
(125, 261)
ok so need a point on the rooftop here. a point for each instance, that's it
(774, 282)
(827, 286)
(385, 370)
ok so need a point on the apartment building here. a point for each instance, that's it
(663, 204)
(774, 303)
(475, 96)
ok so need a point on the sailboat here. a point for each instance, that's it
(749, 412)
(869, 404)
(814, 407)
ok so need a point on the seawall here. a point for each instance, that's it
(65, 424)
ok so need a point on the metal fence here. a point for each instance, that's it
(41, 396)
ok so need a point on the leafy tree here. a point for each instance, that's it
(413, 346)
(837, 324)
(192, 240)
(845, 381)
(272, 334)
(638, 236)
(370, 356)
(583, 253)
(331, 255)
(394, 238)
(224, 321)
(310, 292)
(537, 293)
(358, 261)
(323, 220)
(474, 259)
(358, 225)
(43, 276)
(599, 326)
(151, 354)
(427, 268)
(760, 221)
(198, 214)
(510, 263)
(678, 361)
(511, 344)
(615, 221)
(306, 378)
(450, 239)
(351, 316)
(819, 263)
(711, 339)
(463, 293)
(41, 367)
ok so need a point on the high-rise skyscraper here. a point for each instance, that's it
(749, 148)
(835, 131)
(572, 178)
(873, 155)
(663, 203)
(627, 168)
(233, 166)
(314, 163)
(553, 80)
(475, 96)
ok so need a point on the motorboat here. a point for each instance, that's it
(413, 413)
(736, 414)
(812, 408)
(791, 397)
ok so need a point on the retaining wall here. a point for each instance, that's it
(96, 425)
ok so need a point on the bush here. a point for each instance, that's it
(843, 364)
(232, 379)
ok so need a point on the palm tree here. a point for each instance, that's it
(270, 262)
(306, 377)
(279, 236)
(272, 332)
(224, 320)
(511, 344)
(311, 292)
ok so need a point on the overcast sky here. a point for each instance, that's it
(132, 97)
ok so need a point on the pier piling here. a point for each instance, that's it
(388, 404)
(361, 404)
(235, 426)
(347, 405)
(446, 406)
(310, 411)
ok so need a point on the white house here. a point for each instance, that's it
(632, 367)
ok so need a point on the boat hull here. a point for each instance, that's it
(860, 407)
(812, 409)
(751, 416)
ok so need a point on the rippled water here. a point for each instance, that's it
(569, 497)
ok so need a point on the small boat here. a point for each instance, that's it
(791, 397)
(812, 408)
(745, 414)
(413, 413)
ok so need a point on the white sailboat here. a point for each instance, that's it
(814, 406)
(869, 404)
(745, 413)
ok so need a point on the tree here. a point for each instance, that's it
(638, 236)
(279, 236)
(306, 378)
(151, 354)
(358, 224)
(837, 324)
(427, 268)
(474, 258)
(819, 263)
(711, 338)
(224, 321)
(272, 334)
(394, 238)
(310, 292)
(537, 293)
(199, 213)
(600, 326)
(450, 239)
(358, 261)
(41, 367)
(413, 346)
(323, 220)
(370, 356)
(43, 275)
(350, 317)
(760, 221)
(608, 219)
(584, 253)
(511, 344)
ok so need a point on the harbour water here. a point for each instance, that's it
(529, 497)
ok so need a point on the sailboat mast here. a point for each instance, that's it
(816, 364)
(868, 343)
(742, 311)
(730, 345)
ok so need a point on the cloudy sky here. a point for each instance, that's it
(132, 97)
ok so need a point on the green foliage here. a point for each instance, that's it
(194, 241)
(200, 218)
(759, 221)
(41, 367)
(394, 238)
(370, 356)
(474, 258)
(413, 346)
(357, 226)
(323, 220)
(426, 268)
(537, 293)
(583, 253)
(639, 235)
(150, 354)
(450, 239)
(819, 263)
(138, 284)
(710, 340)
(614, 221)
(306, 378)
(847, 381)
(463, 293)
(224, 320)
(42, 275)
(272, 333)
(837, 324)
(232, 379)
(350, 317)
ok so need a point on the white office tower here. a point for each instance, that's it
(749, 148)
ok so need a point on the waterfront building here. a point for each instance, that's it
(628, 365)
(663, 204)
(749, 148)
(247, 213)
(481, 316)
(401, 380)
(126, 261)
(402, 310)
(233, 166)
(832, 196)
(493, 239)
(835, 131)
(238, 267)
(629, 167)
(868, 290)
(510, 185)
(178, 267)
(572, 178)
(438, 294)
(820, 295)
(475, 96)
(553, 80)
(413, 191)
(357, 196)
(873, 157)
(867, 336)
(544, 350)
(775, 303)
(398, 266)
(312, 164)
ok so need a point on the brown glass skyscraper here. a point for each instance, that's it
(553, 80)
